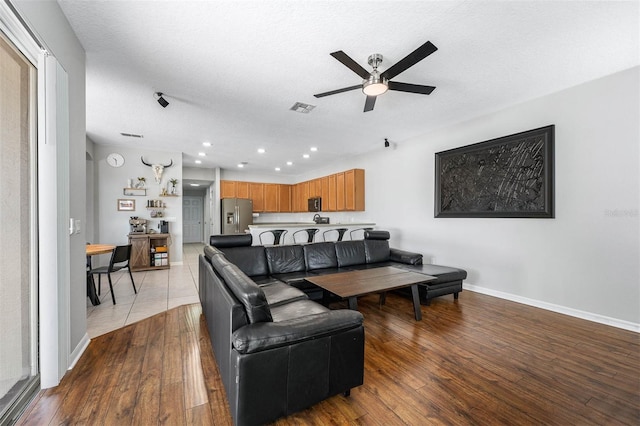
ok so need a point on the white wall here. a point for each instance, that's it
(113, 225)
(586, 260)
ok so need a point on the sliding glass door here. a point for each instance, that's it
(18, 259)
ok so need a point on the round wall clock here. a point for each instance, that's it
(115, 160)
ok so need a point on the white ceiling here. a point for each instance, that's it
(232, 69)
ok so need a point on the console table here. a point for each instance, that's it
(149, 251)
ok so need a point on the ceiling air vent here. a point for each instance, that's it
(303, 108)
(131, 135)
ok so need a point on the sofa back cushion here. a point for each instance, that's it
(247, 292)
(251, 260)
(285, 259)
(377, 250)
(350, 253)
(231, 240)
(320, 255)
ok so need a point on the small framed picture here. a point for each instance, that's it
(126, 205)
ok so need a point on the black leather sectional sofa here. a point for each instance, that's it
(279, 351)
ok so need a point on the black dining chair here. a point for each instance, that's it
(119, 260)
(308, 234)
(340, 232)
(277, 235)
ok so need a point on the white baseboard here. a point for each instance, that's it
(614, 322)
(79, 350)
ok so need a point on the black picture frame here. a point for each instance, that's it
(506, 177)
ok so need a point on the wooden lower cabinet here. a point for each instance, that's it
(149, 251)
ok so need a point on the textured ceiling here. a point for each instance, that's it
(232, 69)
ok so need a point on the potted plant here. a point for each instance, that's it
(141, 181)
(174, 182)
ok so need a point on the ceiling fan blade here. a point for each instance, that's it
(333, 92)
(410, 60)
(351, 64)
(369, 103)
(411, 88)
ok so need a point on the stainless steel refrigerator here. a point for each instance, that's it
(237, 215)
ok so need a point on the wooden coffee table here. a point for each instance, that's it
(350, 285)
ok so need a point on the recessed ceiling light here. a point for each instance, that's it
(314, 149)
(277, 169)
(241, 165)
(194, 184)
(289, 163)
(198, 162)
(207, 144)
(261, 151)
(202, 154)
(305, 155)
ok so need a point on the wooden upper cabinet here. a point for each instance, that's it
(315, 188)
(339, 192)
(332, 197)
(242, 190)
(340, 204)
(227, 188)
(256, 193)
(324, 193)
(354, 190)
(284, 198)
(271, 197)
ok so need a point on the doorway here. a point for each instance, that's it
(192, 219)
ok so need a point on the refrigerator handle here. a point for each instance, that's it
(237, 219)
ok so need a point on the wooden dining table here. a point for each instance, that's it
(94, 250)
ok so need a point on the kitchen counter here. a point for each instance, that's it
(291, 227)
(285, 225)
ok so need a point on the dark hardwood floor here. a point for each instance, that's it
(479, 360)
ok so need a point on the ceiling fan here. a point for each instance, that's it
(375, 83)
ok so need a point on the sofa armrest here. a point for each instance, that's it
(407, 257)
(268, 335)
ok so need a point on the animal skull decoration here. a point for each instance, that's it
(157, 169)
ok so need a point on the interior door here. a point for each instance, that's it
(192, 218)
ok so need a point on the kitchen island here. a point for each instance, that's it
(292, 227)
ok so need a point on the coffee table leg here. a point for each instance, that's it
(416, 302)
(353, 303)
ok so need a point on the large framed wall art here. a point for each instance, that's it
(511, 176)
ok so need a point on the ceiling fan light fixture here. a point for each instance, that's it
(374, 86)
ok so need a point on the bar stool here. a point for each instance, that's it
(311, 232)
(340, 232)
(277, 234)
(359, 229)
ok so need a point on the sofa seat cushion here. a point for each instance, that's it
(264, 280)
(326, 271)
(373, 265)
(444, 274)
(278, 293)
(296, 309)
(285, 259)
(292, 277)
(260, 337)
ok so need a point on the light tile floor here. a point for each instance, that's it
(158, 291)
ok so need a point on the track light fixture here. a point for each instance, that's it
(162, 101)
(386, 143)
